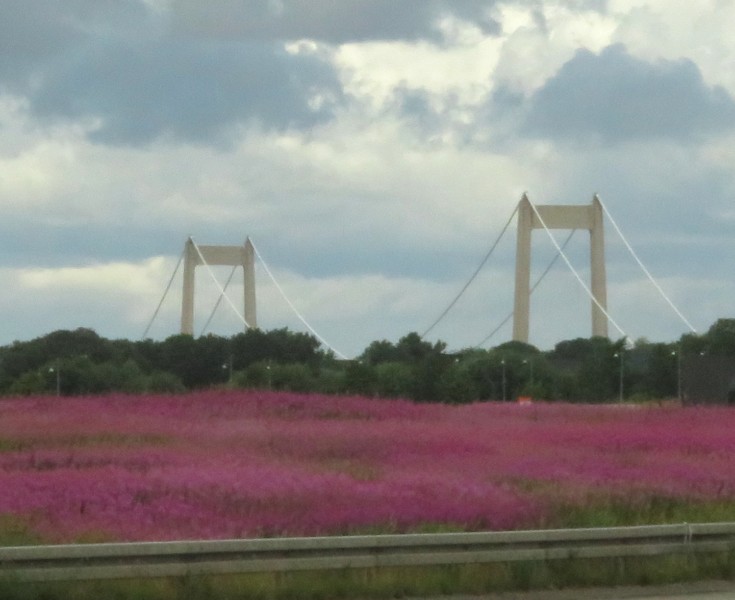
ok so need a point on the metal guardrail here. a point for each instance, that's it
(165, 559)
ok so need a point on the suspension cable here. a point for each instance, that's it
(472, 278)
(574, 272)
(293, 308)
(219, 301)
(222, 291)
(533, 287)
(643, 268)
(489, 336)
(165, 293)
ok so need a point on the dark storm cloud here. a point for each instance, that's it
(119, 63)
(31, 33)
(334, 21)
(187, 90)
(614, 97)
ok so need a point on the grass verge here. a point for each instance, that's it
(394, 582)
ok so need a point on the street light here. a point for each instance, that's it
(502, 363)
(620, 383)
(228, 367)
(529, 362)
(57, 370)
(677, 353)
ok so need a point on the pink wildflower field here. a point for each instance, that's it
(228, 464)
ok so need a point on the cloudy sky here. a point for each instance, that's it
(373, 150)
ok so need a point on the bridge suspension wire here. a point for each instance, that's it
(165, 293)
(574, 272)
(223, 294)
(218, 303)
(644, 269)
(293, 308)
(473, 276)
(488, 337)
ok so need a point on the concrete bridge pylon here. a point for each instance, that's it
(234, 256)
(588, 217)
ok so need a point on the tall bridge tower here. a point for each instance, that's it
(234, 256)
(588, 217)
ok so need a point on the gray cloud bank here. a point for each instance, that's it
(204, 69)
(333, 21)
(199, 70)
(614, 97)
(140, 81)
(189, 91)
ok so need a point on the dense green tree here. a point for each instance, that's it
(525, 370)
(456, 386)
(278, 346)
(412, 349)
(293, 347)
(394, 380)
(197, 362)
(256, 375)
(21, 357)
(659, 376)
(583, 369)
(29, 383)
(720, 338)
(360, 378)
(595, 365)
(484, 369)
(428, 374)
(380, 351)
(292, 377)
(162, 382)
(425, 364)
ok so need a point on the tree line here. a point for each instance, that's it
(584, 369)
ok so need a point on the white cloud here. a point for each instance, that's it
(538, 41)
(115, 277)
(373, 71)
(36, 165)
(116, 299)
(700, 30)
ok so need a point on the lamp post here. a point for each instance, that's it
(620, 382)
(677, 354)
(529, 362)
(57, 370)
(502, 364)
(228, 367)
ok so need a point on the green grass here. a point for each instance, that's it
(15, 531)
(395, 582)
(651, 510)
